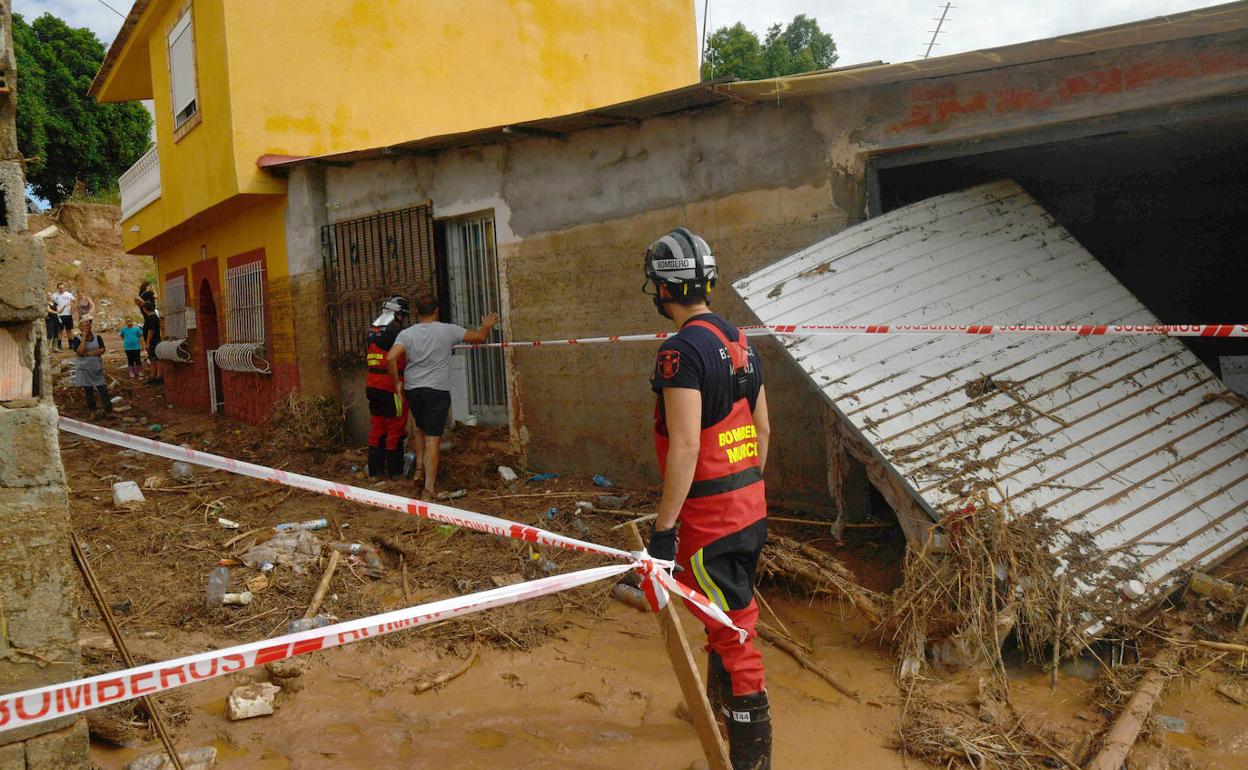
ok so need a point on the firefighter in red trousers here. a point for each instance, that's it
(388, 408)
(711, 433)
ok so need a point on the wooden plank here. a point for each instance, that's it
(690, 680)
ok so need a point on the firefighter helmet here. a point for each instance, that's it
(681, 259)
(395, 307)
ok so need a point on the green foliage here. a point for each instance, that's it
(74, 138)
(799, 47)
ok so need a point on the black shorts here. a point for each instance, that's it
(429, 408)
(383, 403)
(67, 322)
(134, 358)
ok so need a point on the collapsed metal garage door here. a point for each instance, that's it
(1131, 440)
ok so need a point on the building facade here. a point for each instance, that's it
(234, 81)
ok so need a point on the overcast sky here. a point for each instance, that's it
(892, 30)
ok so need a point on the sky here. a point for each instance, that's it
(890, 30)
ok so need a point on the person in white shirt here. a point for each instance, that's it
(426, 377)
(64, 302)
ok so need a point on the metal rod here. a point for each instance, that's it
(149, 703)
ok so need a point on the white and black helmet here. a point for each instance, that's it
(394, 307)
(682, 261)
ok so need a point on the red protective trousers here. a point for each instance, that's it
(718, 540)
(386, 430)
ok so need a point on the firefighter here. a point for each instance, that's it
(387, 407)
(711, 434)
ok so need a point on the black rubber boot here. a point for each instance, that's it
(394, 462)
(749, 731)
(718, 689)
(376, 461)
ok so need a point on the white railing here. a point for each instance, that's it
(140, 184)
(244, 303)
(175, 308)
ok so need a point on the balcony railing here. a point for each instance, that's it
(140, 184)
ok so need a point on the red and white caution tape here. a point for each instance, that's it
(835, 330)
(41, 704)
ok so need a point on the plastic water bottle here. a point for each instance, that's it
(409, 464)
(218, 582)
(307, 624)
(633, 597)
(603, 481)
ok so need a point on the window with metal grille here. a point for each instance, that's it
(367, 260)
(174, 308)
(244, 302)
(182, 70)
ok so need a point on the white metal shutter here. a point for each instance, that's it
(182, 68)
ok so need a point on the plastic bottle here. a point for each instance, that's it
(603, 481)
(307, 624)
(218, 582)
(409, 464)
(310, 524)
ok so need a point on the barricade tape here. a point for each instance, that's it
(658, 579)
(41, 704)
(834, 330)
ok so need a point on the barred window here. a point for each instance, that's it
(244, 302)
(175, 308)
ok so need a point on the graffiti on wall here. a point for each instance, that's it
(932, 106)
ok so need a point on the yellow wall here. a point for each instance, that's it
(258, 223)
(304, 77)
(198, 170)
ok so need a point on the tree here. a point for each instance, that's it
(799, 47)
(73, 137)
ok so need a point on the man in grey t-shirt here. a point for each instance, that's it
(426, 377)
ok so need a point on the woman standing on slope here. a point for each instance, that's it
(146, 303)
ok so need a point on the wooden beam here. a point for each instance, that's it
(690, 680)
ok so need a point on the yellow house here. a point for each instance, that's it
(233, 81)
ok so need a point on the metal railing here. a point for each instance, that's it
(175, 308)
(140, 184)
(244, 303)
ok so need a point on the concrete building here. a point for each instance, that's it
(236, 80)
(38, 601)
(1130, 136)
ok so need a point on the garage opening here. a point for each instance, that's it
(1159, 200)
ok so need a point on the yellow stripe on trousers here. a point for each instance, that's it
(707, 585)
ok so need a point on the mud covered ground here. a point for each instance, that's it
(572, 680)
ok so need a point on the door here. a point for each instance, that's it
(210, 338)
(472, 272)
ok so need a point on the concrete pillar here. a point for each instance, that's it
(38, 602)
(305, 216)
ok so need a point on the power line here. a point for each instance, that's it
(111, 8)
(939, 23)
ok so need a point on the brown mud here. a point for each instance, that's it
(573, 680)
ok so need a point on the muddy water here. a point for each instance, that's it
(600, 696)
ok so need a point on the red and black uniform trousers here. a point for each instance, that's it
(388, 409)
(723, 525)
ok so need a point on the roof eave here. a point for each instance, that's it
(125, 74)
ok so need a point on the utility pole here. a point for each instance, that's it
(706, 9)
(939, 23)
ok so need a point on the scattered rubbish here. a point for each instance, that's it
(287, 673)
(77, 263)
(551, 513)
(409, 464)
(252, 700)
(545, 565)
(1132, 590)
(1214, 588)
(580, 526)
(197, 759)
(507, 473)
(154, 482)
(228, 524)
(295, 549)
(603, 481)
(115, 400)
(181, 471)
(633, 597)
(257, 583)
(123, 608)
(290, 526)
(612, 501)
(126, 493)
(541, 477)
(367, 553)
(453, 495)
(307, 624)
(237, 600)
(1171, 724)
(584, 505)
(1084, 667)
(123, 408)
(155, 427)
(446, 530)
(510, 579)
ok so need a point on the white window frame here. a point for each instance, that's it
(175, 314)
(187, 111)
(244, 303)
